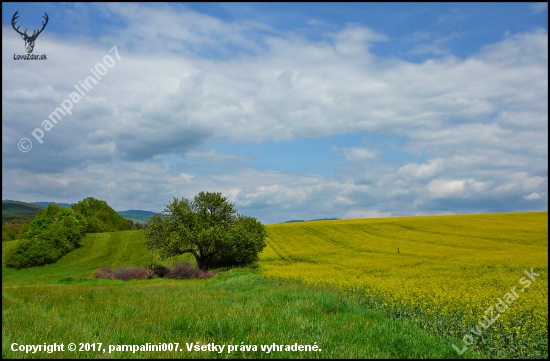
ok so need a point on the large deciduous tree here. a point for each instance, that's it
(209, 228)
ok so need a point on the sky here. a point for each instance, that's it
(290, 110)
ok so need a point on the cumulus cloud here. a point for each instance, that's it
(442, 188)
(421, 171)
(356, 154)
(474, 131)
(532, 196)
(366, 214)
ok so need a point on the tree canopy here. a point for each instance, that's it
(100, 216)
(54, 232)
(209, 228)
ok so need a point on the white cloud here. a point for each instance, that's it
(443, 188)
(366, 214)
(422, 171)
(521, 182)
(316, 22)
(532, 196)
(186, 176)
(287, 92)
(214, 156)
(356, 154)
(480, 123)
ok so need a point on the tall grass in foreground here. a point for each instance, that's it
(232, 308)
(448, 272)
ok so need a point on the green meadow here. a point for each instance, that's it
(248, 312)
(63, 303)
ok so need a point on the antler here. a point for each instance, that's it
(15, 16)
(43, 25)
(34, 34)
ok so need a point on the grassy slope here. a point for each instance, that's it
(112, 249)
(62, 303)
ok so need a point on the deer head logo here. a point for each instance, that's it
(29, 40)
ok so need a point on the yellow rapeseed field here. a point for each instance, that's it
(463, 275)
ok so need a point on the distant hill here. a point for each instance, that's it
(17, 208)
(45, 204)
(137, 216)
(16, 216)
(137, 212)
(311, 220)
(11, 209)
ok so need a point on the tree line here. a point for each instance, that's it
(55, 231)
(208, 227)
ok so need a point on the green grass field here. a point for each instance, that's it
(63, 303)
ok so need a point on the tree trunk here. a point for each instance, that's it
(202, 263)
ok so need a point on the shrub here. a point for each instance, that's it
(158, 270)
(123, 273)
(184, 270)
(132, 273)
(104, 272)
(30, 253)
(180, 270)
(40, 222)
(54, 232)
